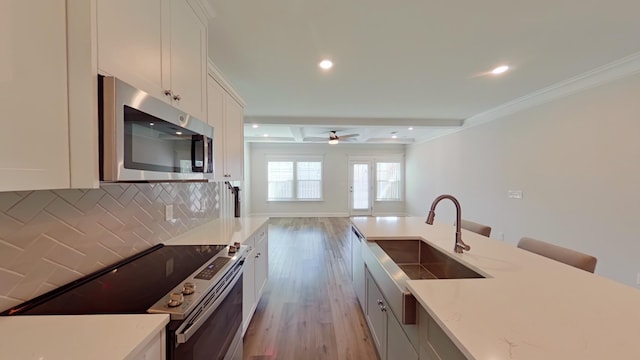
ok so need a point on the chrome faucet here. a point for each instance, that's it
(459, 245)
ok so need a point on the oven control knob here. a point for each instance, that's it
(188, 288)
(237, 245)
(232, 249)
(175, 299)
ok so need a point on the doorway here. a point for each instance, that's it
(360, 187)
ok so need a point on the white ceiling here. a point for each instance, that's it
(405, 63)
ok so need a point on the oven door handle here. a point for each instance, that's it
(182, 335)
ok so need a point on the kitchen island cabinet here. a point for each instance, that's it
(388, 336)
(158, 46)
(526, 306)
(49, 108)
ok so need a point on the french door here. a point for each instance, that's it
(360, 187)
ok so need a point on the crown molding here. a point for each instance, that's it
(618, 69)
(216, 74)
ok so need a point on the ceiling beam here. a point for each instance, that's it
(350, 122)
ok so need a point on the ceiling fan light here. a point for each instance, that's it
(333, 141)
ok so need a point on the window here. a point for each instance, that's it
(294, 179)
(388, 181)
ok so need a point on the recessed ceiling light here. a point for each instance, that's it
(326, 64)
(410, 129)
(178, 132)
(255, 126)
(500, 70)
(266, 135)
(394, 136)
(151, 124)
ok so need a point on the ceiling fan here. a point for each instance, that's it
(333, 137)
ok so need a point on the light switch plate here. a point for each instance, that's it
(514, 194)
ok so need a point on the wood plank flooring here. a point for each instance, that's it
(309, 309)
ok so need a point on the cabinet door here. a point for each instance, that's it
(398, 344)
(262, 266)
(34, 143)
(357, 269)
(234, 140)
(188, 60)
(130, 43)
(376, 316)
(215, 117)
(248, 289)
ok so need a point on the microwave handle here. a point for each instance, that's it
(194, 148)
(208, 155)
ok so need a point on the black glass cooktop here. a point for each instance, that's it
(129, 287)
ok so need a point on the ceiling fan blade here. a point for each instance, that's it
(348, 136)
(314, 138)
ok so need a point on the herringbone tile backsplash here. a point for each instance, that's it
(49, 238)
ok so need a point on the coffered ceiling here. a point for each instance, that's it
(400, 64)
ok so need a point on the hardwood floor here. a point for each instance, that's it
(309, 309)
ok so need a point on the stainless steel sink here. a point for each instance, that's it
(419, 260)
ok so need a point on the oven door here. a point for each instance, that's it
(216, 333)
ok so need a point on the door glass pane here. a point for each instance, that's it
(360, 186)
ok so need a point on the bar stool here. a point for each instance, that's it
(568, 256)
(481, 229)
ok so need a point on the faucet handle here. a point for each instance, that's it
(460, 245)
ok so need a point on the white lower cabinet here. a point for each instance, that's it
(248, 286)
(391, 341)
(255, 276)
(155, 349)
(434, 343)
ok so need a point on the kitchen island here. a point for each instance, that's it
(526, 307)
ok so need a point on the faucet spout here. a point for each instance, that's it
(459, 245)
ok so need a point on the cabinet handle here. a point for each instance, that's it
(177, 97)
(383, 308)
(167, 92)
(380, 302)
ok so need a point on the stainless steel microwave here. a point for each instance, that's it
(143, 138)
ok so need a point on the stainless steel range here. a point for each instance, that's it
(199, 286)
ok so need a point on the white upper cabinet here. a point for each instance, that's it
(158, 46)
(47, 93)
(188, 60)
(226, 115)
(130, 42)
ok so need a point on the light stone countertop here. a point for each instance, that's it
(78, 337)
(529, 307)
(221, 232)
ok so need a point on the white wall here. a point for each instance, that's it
(577, 160)
(335, 179)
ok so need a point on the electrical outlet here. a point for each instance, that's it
(168, 212)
